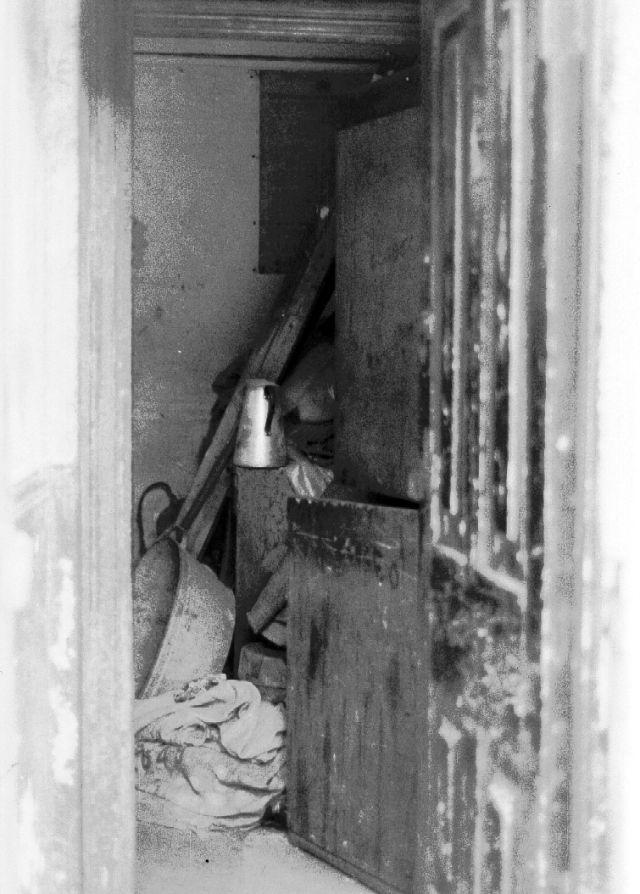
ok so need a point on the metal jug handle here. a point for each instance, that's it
(270, 394)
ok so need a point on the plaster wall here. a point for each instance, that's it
(198, 300)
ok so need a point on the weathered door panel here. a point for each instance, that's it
(486, 363)
(351, 698)
(482, 736)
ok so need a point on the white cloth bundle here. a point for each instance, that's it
(214, 750)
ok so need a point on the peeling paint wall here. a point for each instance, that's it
(198, 299)
(66, 756)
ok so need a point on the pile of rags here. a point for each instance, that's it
(210, 756)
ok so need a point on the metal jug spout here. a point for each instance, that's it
(260, 443)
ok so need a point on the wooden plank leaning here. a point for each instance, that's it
(272, 599)
(301, 297)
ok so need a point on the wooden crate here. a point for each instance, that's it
(351, 688)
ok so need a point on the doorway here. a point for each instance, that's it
(89, 294)
(234, 163)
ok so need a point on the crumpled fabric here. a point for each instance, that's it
(247, 727)
(204, 788)
(257, 732)
(307, 479)
(214, 751)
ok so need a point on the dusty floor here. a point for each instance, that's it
(260, 862)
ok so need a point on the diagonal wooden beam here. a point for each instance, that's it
(301, 297)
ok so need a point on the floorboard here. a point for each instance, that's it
(258, 862)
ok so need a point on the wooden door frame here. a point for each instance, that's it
(66, 681)
(589, 664)
(604, 780)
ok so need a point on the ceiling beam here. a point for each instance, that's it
(314, 29)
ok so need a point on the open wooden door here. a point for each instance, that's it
(352, 633)
(486, 340)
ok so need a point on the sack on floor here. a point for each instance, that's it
(202, 788)
(210, 756)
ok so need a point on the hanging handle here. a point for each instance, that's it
(270, 395)
(147, 537)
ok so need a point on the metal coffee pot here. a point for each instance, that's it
(260, 442)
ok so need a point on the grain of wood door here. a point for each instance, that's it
(486, 403)
(379, 286)
(351, 695)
